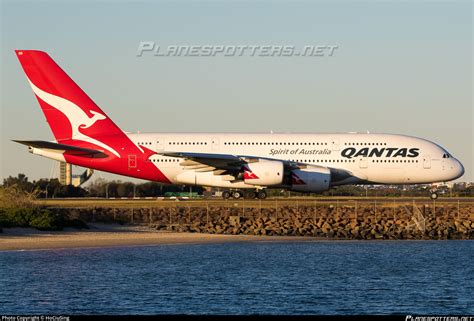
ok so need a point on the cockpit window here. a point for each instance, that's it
(446, 155)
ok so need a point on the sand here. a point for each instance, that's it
(110, 235)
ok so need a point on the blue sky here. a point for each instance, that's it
(401, 67)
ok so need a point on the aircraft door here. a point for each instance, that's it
(215, 143)
(160, 143)
(443, 164)
(132, 161)
(363, 162)
(426, 162)
(335, 144)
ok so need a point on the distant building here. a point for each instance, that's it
(65, 173)
(67, 178)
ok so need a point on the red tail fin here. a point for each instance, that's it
(86, 136)
(71, 114)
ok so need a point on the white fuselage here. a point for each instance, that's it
(370, 158)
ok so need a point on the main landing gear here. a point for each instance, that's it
(261, 194)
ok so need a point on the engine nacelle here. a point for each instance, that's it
(311, 179)
(264, 173)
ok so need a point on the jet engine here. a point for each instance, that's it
(310, 179)
(264, 173)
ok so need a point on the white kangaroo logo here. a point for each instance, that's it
(76, 116)
(88, 122)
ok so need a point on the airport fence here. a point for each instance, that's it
(189, 212)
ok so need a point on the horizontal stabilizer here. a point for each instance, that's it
(66, 149)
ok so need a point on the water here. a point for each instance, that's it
(333, 277)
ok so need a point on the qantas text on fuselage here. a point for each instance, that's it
(306, 162)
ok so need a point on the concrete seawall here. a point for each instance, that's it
(357, 221)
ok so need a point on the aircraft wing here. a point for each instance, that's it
(224, 164)
(204, 161)
(67, 149)
(219, 160)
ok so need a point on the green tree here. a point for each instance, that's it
(21, 181)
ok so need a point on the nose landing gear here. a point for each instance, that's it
(434, 194)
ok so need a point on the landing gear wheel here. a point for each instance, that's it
(434, 195)
(262, 195)
(250, 195)
(226, 195)
(237, 194)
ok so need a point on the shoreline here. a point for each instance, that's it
(111, 235)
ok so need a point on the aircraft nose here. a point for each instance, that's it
(458, 169)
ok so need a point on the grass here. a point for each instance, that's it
(268, 203)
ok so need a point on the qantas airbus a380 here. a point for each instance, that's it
(237, 162)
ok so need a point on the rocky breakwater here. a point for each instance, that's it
(384, 223)
(344, 222)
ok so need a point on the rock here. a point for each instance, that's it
(326, 228)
